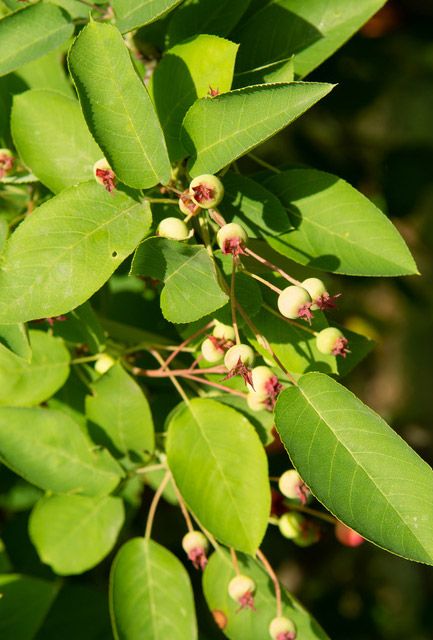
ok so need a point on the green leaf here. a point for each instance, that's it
(15, 338)
(205, 16)
(60, 152)
(191, 287)
(120, 414)
(361, 470)
(24, 604)
(48, 449)
(206, 444)
(131, 14)
(65, 251)
(221, 129)
(187, 72)
(82, 327)
(47, 73)
(150, 594)
(252, 624)
(25, 383)
(311, 30)
(30, 33)
(249, 204)
(336, 228)
(280, 71)
(262, 421)
(74, 533)
(117, 107)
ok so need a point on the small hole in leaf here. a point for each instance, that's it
(114, 254)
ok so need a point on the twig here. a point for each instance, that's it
(182, 504)
(234, 561)
(233, 302)
(185, 343)
(173, 378)
(151, 468)
(298, 325)
(234, 392)
(265, 562)
(272, 266)
(154, 505)
(263, 281)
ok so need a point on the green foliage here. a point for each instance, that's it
(131, 14)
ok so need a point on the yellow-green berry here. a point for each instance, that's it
(103, 363)
(316, 289)
(239, 352)
(206, 191)
(232, 238)
(223, 331)
(173, 229)
(293, 301)
(282, 628)
(331, 341)
(210, 352)
(290, 525)
(293, 487)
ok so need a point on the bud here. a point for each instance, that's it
(295, 302)
(103, 363)
(282, 629)
(331, 341)
(241, 589)
(206, 191)
(173, 229)
(196, 545)
(232, 238)
(293, 487)
(211, 351)
(223, 332)
(104, 174)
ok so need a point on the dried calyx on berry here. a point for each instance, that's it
(232, 238)
(241, 589)
(265, 385)
(238, 361)
(187, 206)
(173, 229)
(331, 341)
(103, 363)
(104, 174)
(6, 162)
(293, 487)
(196, 545)
(206, 191)
(321, 298)
(282, 628)
(295, 302)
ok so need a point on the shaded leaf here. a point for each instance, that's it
(131, 14)
(15, 338)
(354, 463)
(279, 71)
(65, 251)
(204, 444)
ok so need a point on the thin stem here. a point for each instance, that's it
(234, 561)
(263, 281)
(161, 201)
(263, 163)
(167, 373)
(146, 346)
(150, 468)
(298, 325)
(272, 266)
(209, 383)
(313, 512)
(173, 378)
(84, 359)
(233, 302)
(182, 505)
(265, 562)
(186, 342)
(154, 505)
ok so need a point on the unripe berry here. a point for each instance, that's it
(103, 363)
(293, 487)
(6, 162)
(232, 238)
(173, 228)
(282, 628)
(331, 341)
(255, 401)
(293, 301)
(194, 540)
(206, 191)
(241, 352)
(104, 174)
(290, 525)
(315, 288)
(261, 377)
(241, 589)
(223, 332)
(347, 536)
(210, 352)
(309, 535)
(187, 206)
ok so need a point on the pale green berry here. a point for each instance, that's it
(255, 401)
(261, 376)
(231, 237)
(328, 339)
(104, 174)
(187, 206)
(291, 300)
(206, 191)
(223, 331)
(292, 486)
(282, 627)
(173, 228)
(103, 363)
(241, 352)
(315, 288)
(290, 525)
(194, 540)
(210, 352)
(239, 586)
